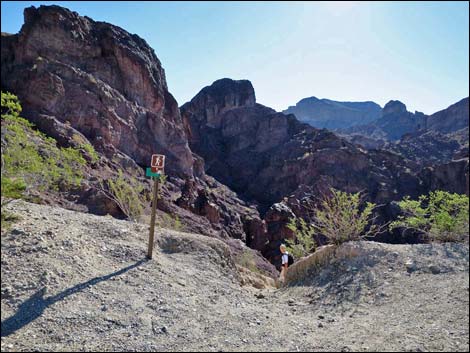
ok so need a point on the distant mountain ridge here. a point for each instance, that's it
(369, 120)
(394, 122)
(451, 119)
(330, 114)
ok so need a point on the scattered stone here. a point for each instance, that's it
(410, 265)
(434, 269)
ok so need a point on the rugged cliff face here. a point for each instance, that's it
(277, 162)
(108, 84)
(425, 140)
(85, 81)
(267, 155)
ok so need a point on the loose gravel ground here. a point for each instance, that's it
(72, 281)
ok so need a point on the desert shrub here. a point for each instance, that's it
(441, 216)
(127, 192)
(170, 222)
(344, 217)
(304, 243)
(86, 146)
(30, 159)
(7, 219)
(247, 260)
(91, 152)
(340, 217)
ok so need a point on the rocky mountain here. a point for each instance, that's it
(330, 114)
(395, 121)
(236, 169)
(425, 140)
(435, 139)
(277, 162)
(72, 281)
(427, 148)
(451, 119)
(108, 84)
(85, 81)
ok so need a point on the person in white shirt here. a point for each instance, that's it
(285, 262)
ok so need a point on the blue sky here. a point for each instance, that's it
(416, 52)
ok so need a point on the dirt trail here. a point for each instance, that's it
(74, 281)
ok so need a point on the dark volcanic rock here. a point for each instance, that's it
(427, 148)
(425, 140)
(279, 162)
(452, 176)
(267, 155)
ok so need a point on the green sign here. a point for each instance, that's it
(149, 173)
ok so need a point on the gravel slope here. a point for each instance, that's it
(79, 282)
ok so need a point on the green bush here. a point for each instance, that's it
(341, 217)
(91, 152)
(441, 216)
(170, 222)
(305, 242)
(12, 188)
(7, 219)
(128, 193)
(30, 159)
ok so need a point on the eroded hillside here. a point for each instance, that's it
(79, 282)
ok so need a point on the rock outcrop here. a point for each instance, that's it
(425, 140)
(276, 161)
(83, 81)
(108, 84)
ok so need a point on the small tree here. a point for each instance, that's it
(305, 242)
(127, 193)
(441, 216)
(340, 218)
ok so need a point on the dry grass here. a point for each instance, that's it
(255, 279)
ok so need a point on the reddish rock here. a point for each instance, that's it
(106, 83)
(82, 81)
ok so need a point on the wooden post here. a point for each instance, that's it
(152, 219)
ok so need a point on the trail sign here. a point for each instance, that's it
(150, 173)
(158, 161)
(157, 165)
